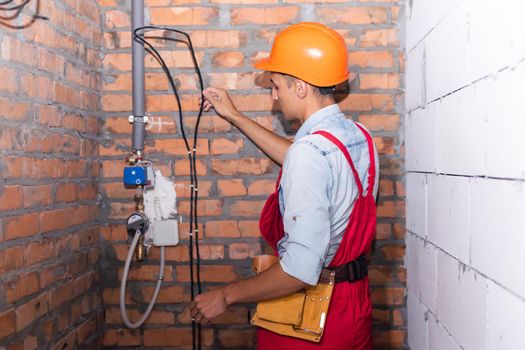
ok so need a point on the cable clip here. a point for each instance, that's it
(138, 119)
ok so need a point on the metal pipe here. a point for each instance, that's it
(137, 71)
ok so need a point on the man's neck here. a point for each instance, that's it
(315, 105)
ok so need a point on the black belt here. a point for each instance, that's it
(350, 272)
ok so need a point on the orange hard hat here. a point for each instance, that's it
(311, 52)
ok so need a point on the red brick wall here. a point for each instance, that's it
(50, 294)
(235, 177)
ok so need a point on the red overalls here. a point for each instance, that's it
(349, 321)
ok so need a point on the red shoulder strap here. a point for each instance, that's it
(372, 167)
(343, 149)
(371, 153)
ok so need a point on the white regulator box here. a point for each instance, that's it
(160, 206)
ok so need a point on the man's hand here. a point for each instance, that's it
(220, 100)
(208, 305)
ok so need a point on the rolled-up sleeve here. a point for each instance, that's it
(305, 184)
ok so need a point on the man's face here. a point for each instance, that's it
(283, 93)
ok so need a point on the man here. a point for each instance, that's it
(323, 213)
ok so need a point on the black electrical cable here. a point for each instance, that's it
(15, 7)
(191, 155)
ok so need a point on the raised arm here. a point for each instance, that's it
(273, 145)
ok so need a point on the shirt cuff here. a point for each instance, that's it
(302, 263)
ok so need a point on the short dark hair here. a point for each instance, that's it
(322, 90)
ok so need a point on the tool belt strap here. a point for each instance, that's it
(352, 271)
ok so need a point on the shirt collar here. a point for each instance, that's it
(315, 119)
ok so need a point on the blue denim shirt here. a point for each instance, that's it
(317, 192)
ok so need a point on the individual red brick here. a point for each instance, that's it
(122, 337)
(399, 231)
(168, 294)
(21, 287)
(54, 220)
(245, 166)
(116, 103)
(218, 38)
(393, 252)
(27, 313)
(183, 16)
(380, 37)
(261, 187)
(389, 339)
(21, 226)
(231, 187)
(383, 231)
(66, 192)
(353, 15)
(36, 252)
(210, 252)
(61, 294)
(273, 15)
(11, 259)
(85, 330)
(386, 187)
(400, 188)
(9, 81)
(68, 342)
(49, 115)
(182, 167)
(228, 59)
(388, 296)
(8, 322)
(380, 122)
(246, 208)
(390, 209)
(379, 81)
(225, 146)
(371, 59)
(18, 51)
(66, 95)
(239, 251)
(249, 228)
(367, 102)
(117, 19)
(222, 229)
(10, 197)
(254, 102)
(208, 124)
(37, 195)
(163, 103)
(14, 110)
(380, 275)
(380, 317)
(398, 318)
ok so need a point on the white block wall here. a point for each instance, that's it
(465, 162)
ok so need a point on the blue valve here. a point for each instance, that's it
(135, 176)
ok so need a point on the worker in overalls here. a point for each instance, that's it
(321, 218)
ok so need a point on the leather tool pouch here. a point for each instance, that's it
(300, 315)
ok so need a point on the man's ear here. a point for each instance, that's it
(300, 88)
